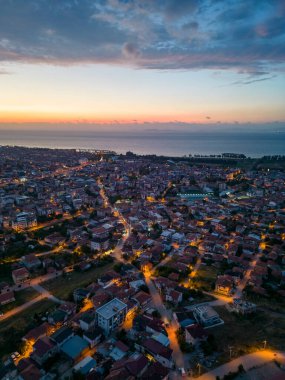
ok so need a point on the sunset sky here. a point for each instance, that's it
(120, 61)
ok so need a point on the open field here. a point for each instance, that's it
(248, 333)
(205, 278)
(12, 329)
(62, 287)
(22, 297)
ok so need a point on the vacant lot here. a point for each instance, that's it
(248, 333)
(205, 278)
(21, 297)
(12, 329)
(62, 287)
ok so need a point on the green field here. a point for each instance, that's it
(21, 297)
(12, 329)
(62, 287)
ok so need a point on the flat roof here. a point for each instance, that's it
(207, 311)
(74, 346)
(111, 308)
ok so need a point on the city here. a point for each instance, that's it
(142, 267)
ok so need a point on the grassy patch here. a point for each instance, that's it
(21, 297)
(247, 333)
(205, 278)
(62, 287)
(12, 329)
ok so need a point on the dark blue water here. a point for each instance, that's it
(170, 143)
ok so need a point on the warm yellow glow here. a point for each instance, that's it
(87, 305)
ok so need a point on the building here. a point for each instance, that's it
(195, 334)
(75, 348)
(243, 307)
(43, 349)
(207, 316)
(224, 285)
(111, 315)
(7, 298)
(20, 275)
(85, 366)
(99, 243)
(24, 220)
(31, 261)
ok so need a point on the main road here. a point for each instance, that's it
(117, 251)
(249, 361)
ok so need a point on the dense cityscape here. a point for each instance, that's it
(141, 267)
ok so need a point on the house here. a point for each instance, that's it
(31, 261)
(93, 336)
(7, 298)
(24, 220)
(60, 336)
(68, 307)
(74, 348)
(20, 275)
(159, 352)
(142, 298)
(85, 365)
(174, 297)
(224, 285)
(148, 324)
(80, 294)
(54, 239)
(195, 334)
(4, 287)
(43, 349)
(37, 332)
(108, 278)
(156, 371)
(87, 320)
(207, 316)
(28, 370)
(100, 244)
(119, 351)
(133, 367)
(184, 319)
(161, 338)
(111, 315)
(57, 316)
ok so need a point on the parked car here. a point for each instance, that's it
(183, 372)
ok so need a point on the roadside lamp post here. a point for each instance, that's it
(199, 369)
(230, 348)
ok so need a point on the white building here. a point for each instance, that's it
(111, 315)
(207, 316)
(24, 220)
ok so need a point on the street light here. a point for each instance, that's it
(265, 343)
(230, 348)
(199, 368)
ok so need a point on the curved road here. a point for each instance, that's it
(249, 361)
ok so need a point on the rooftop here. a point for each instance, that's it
(74, 346)
(111, 308)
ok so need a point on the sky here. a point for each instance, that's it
(141, 61)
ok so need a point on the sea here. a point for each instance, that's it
(154, 141)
